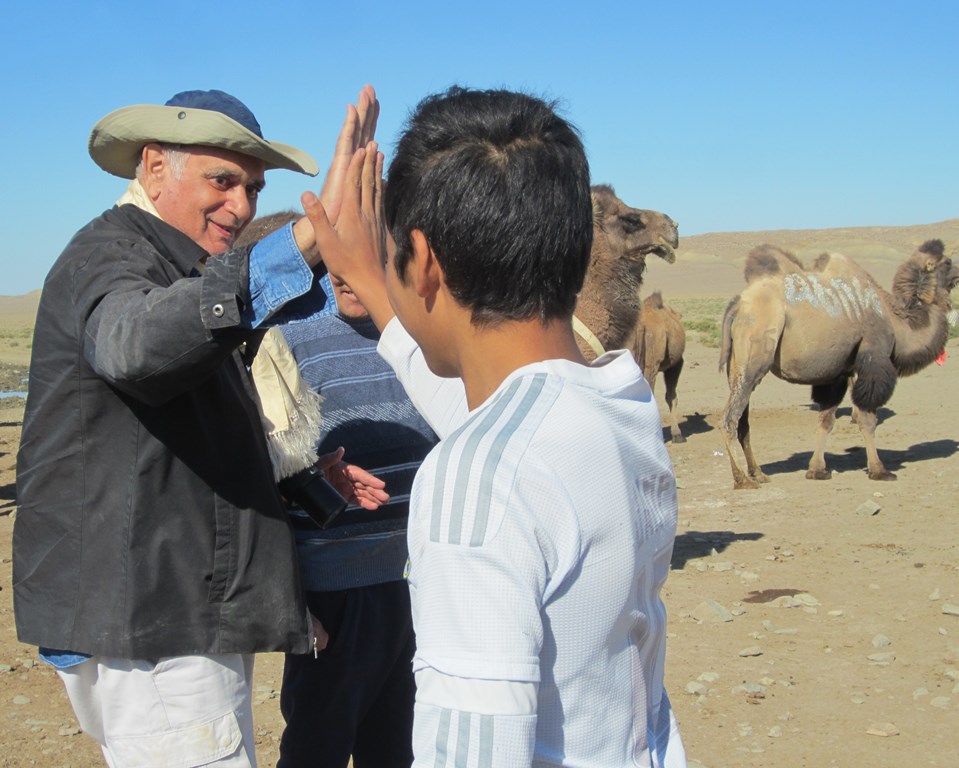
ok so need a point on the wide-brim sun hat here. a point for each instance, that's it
(204, 118)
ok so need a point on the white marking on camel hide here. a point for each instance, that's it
(838, 298)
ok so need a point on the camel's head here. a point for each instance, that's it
(925, 279)
(633, 233)
(941, 275)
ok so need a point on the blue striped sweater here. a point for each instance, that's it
(365, 410)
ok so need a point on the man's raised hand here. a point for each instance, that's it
(358, 130)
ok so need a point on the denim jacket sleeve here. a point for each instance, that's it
(278, 274)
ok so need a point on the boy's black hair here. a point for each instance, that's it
(499, 184)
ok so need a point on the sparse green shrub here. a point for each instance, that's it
(703, 317)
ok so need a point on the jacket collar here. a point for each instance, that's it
(175, 246)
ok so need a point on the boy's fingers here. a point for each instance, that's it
(354, 175)
(379, 175)
(368, 197)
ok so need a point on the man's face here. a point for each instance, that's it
(214, 198)
(347, 304)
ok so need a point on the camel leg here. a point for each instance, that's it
(817, 464)
(671, 378)
(735, 424)
(752, 466)
(750, 348)
(874, 384)
(867, 425)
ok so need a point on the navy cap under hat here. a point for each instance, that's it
(218, 101)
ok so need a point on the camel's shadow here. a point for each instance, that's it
(691, 545)
(692, 424)
(854, 458)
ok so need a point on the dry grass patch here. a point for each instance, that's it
(702, 317)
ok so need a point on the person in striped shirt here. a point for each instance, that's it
(355, 698)
(541, 526)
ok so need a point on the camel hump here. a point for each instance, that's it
(654, 300)
(822, 261)
(766, 260)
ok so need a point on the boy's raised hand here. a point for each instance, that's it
(354, 249)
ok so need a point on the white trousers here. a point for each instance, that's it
(179, 712)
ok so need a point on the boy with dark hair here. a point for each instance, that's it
(541, 527)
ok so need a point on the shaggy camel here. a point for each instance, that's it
(608, 305)
(659, 346)
(827, 327)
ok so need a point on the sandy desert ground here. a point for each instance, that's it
(812, 623)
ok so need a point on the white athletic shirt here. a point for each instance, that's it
(540, 534)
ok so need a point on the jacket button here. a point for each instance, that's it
(218, 310)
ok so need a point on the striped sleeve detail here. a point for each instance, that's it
(443, 737)
(473, 735)
(451, 738)
(467, 463)
(459, 739)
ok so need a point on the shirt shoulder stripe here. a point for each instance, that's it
(480, 445)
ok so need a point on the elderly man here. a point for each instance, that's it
(152, 552)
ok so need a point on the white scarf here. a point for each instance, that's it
(289, 409)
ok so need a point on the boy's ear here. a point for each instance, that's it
(424, 270)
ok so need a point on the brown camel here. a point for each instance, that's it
(827, 327)
(608, 305)
(659, 346)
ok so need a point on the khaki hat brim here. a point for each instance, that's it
(117, 140)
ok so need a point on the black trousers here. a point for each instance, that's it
(356, 698)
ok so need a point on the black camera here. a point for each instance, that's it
(314, 495)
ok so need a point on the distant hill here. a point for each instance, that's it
(712, 264)
(19, 310)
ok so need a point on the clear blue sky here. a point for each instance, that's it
(725, 115)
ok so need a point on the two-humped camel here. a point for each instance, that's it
(609, 306)
(827, 327)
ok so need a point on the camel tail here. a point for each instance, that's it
(727, 333)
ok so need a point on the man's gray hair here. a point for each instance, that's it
(176, 155)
